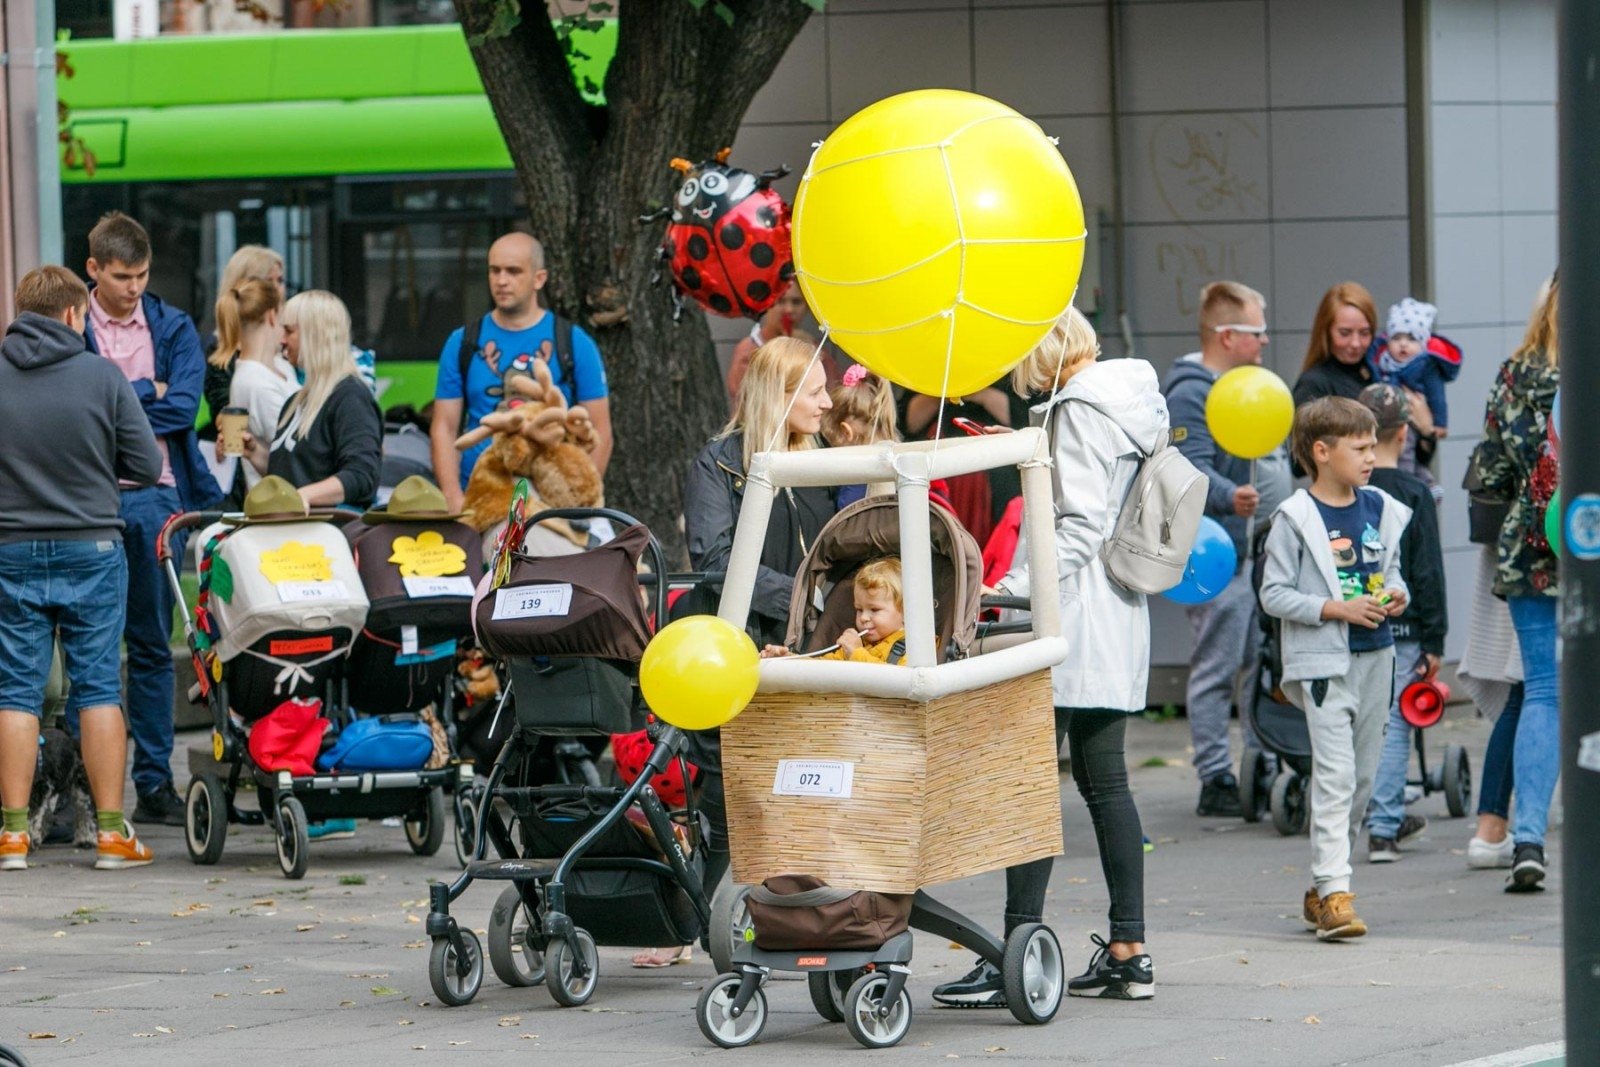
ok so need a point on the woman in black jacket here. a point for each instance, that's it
(781, 402)
(1340, 354)
(329, 442)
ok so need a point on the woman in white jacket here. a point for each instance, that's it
(1102, 418)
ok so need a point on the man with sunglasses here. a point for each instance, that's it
(1233, 333)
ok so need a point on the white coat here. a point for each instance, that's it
(1096, 452)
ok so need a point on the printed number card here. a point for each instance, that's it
(813, 778)
(532, 601)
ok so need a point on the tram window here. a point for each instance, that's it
(418, 282)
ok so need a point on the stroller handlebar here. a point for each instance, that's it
(192, 520)
(658, 559)
(1014, 603)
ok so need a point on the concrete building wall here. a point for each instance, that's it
(1492, 162)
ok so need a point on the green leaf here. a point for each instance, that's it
(507, 16)
(723, 12)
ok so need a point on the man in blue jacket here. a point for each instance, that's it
(1233, 333)
(158, 350)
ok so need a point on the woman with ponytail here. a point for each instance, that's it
(249, 333)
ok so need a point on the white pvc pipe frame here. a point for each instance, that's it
(910, 466)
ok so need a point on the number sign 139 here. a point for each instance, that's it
(531, 601)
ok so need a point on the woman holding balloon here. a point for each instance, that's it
(1101, 418)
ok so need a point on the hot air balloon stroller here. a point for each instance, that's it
(281, 603)
(858, 776)
(587, 864)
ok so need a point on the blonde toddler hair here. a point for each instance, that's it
(882, 575)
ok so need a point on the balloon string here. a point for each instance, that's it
(1250, 523)
(783, 423)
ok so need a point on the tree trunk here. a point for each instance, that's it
(679, 85)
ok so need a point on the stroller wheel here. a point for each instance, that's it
(426, 834)
(1255, 784)
(1457, 780)
(10, 1057)
(1032, 974)
(512, 954)
(466, 828)
(861, 1012)
(444, 970)
(562, 963)
(205, 822)
(293, 845)
(827, 992)
(1290, 810)
(730, 919)
(714, 1013)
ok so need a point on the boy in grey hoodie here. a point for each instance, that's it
(1332, 578)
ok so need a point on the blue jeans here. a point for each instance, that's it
(1388, 805)
(1536, 760)
(148, 632)
(72, 588)
(1494, 796)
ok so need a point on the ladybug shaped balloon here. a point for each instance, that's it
(727, 245)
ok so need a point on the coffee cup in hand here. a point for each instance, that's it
(232, 426)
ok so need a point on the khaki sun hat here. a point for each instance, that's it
(414, 500)
(272, 500)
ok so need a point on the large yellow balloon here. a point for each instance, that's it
(938, 223)
(1249, 412)
(699, 672)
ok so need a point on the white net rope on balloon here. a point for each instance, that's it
(961, 243)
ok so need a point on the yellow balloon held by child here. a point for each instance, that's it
(699, 672)
(1249, 412)
(938, 222)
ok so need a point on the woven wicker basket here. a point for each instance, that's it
(943, 790)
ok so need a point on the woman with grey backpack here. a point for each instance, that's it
(1103, 419)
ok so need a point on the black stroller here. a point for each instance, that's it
(264, 638)
(583, 857)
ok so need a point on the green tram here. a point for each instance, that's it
(369, 158)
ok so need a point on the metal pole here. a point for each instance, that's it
(35, 155)
(1578, 34)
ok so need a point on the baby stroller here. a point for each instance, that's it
(851, 979)
(584, 857)
(281, 605)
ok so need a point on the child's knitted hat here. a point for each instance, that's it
(1412, 317)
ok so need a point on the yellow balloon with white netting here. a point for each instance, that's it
(937, 236)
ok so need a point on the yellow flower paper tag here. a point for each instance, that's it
(428, 555)
(293, 561)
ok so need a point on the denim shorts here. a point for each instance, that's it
(76, 591)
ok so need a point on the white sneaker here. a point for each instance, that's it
(1483, 855)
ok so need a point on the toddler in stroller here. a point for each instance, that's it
(585, 857)
(280, 604)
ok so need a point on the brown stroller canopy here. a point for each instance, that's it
(823, 605)
(606, 616)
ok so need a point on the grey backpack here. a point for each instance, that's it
(1149, 547)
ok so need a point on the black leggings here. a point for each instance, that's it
(1095, 738)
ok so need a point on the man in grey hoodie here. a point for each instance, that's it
(1233, 333)
(70, 427)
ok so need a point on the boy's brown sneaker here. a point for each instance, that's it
(1311, 910)
(117, 851)
(1339, 918)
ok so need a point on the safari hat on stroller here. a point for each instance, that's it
(272, 500)
(416, 499)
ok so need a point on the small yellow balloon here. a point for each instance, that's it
(699, 672)
(1249, 412)
(938, 222)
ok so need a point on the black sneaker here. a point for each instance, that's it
(981, 987)
(1220, 796)
(1411, 827)
(1382, 849)
(1527, 870)
(164, 806)
(1130, 979)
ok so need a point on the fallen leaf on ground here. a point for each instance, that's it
(412, 919)
(42, 1035)
(1374, 981)
(1077, 881)
(529, 1037)
(163, 1029)
(303, 927)
(264, 902)
(59, 933)
(510, 1020)
(1312, 1020)
(404, 1022)
(219, 996)
(461, 1042)
(995, 1048)
(272, 992)
(141, 944)
(415, 944)
(347, 1003)
(384, 991)
(1261, 1018)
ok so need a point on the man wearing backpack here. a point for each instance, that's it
(476, 358)
(1233, 333)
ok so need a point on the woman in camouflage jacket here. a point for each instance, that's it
(1515, 463)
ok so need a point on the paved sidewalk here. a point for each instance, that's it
(176, 964)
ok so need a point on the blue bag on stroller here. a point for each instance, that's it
(380, 743)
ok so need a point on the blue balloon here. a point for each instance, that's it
(1212, 562)
(1555, 417)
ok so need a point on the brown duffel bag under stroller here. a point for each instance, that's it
(796, 911)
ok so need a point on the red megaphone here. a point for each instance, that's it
(1422, 703)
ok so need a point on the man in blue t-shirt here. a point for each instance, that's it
(518, 326)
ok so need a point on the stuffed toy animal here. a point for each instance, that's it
(537, 437)
(483, 684)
